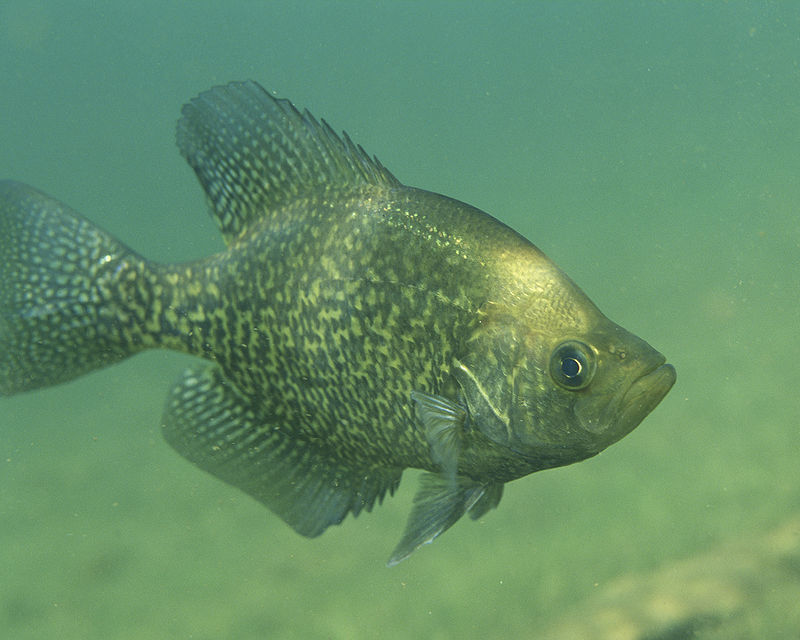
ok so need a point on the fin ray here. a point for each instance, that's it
(253, 152)
(440, 502)
(443, 422)
(59, 302)
(488, 501)
(209, 422)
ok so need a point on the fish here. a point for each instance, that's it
(352, 327)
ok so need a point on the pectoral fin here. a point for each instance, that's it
(443, 423)
(440, 501)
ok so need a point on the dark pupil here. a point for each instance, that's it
(570, 367)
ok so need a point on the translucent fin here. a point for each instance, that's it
(209, 422)
(439, 503)
(443, 422)
(252, 153)
(488, 501)
(59, 292)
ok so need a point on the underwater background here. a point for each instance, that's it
(651, 149)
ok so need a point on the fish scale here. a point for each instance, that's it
(353, 327)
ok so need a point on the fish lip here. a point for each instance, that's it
(643, 395)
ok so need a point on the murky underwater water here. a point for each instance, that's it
(651, 150)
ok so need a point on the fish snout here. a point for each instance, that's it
(642, 396)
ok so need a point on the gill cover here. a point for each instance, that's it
(521, 390)
(485, 375)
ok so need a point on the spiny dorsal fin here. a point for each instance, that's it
(252, 153)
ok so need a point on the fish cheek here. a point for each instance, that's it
(541, 413)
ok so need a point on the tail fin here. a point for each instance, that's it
(60, 292)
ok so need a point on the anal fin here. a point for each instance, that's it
(208, 421)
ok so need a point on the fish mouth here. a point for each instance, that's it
(642, 397)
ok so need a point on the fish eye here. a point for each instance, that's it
(572, 365)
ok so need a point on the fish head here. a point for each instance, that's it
(560, 394)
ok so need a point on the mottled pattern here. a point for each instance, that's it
(329, 341)
(56, 273)
(356, 327)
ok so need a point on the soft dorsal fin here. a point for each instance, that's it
(252, 153)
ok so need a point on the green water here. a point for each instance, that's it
(651, 149)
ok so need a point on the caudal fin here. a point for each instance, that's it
(61, 280)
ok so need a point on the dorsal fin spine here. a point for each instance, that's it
(253, 152)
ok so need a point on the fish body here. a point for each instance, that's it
(355, 327)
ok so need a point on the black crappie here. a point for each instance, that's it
(356, 327)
